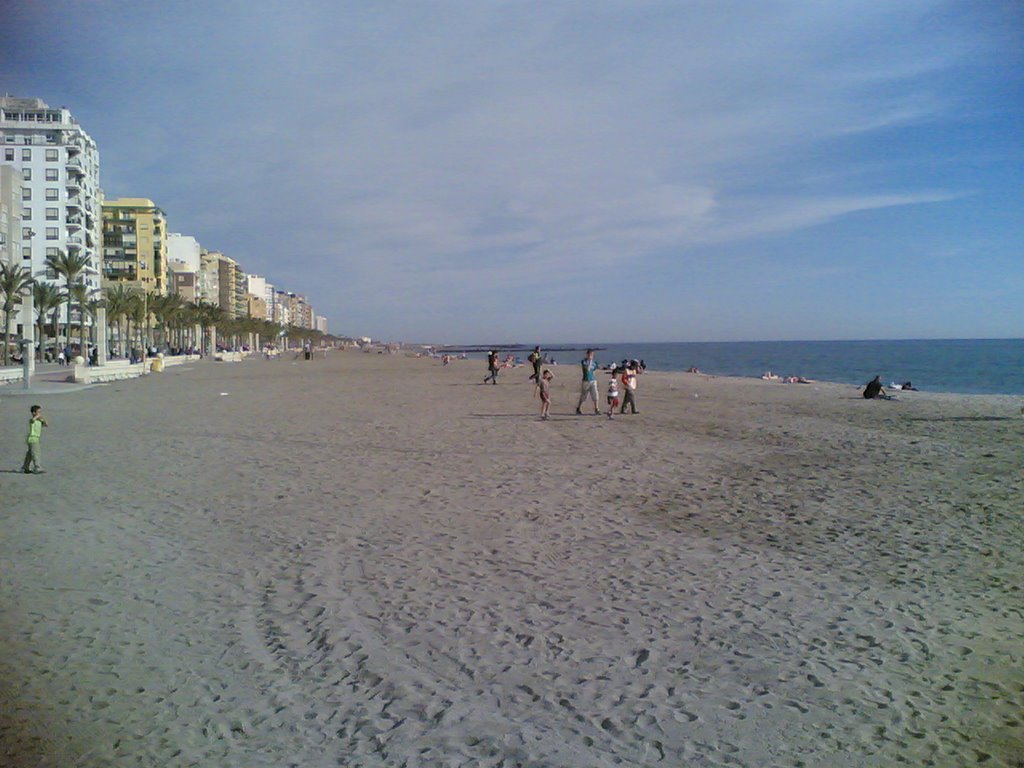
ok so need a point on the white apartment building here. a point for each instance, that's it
(184, 249)
(282, 308)
(320, 323)
(256, 286)
(59, 168)
(10, 215)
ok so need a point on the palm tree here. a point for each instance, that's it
(138, 310)
(46, 297)
(208, 316)
(166, 309)
(14, 281)
(119, 299)
(81, 293)
(69, 266)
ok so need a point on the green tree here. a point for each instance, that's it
(82, 295)
(14, 282)
(70, 266)
(119, 304)
(46, 298)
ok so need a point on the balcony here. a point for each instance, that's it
(73, 185)
(73, 165)
(73, 222)
(74, 241)
(74, 201)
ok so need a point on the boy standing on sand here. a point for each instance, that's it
(35, 430)
(545, 393)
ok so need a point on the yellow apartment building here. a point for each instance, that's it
(135, 244)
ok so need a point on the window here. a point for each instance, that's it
(52, 193)
(26, 154)
(52, 214)
(9, 155)
(26, 214)
(26, 252)
(52, 252)
(51, 273)
(26, 233)
(52, 174)
(52, 156)
(26, 174)
(26, 193)
(51, 233)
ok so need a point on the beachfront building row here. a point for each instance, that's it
(52, 209)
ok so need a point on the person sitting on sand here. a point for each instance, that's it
(873, 390)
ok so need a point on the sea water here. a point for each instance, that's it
(968, 366)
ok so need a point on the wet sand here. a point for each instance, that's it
(375, 560)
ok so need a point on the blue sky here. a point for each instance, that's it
(632, 170)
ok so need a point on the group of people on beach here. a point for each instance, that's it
(624, 374)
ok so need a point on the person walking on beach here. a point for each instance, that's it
(538, 360)
(492, 367)
(588, 387)
(629, 376)
(35, 430)
(544, 387)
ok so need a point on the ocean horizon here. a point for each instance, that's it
(963, 366)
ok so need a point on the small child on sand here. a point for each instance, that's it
(544, 385)
(613, 396)
(35, 431)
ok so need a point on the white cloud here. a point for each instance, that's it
(456, 144)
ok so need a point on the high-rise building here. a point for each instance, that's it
(59, 168)
(10, 215)
(227, 275)
(184, 261)
(135, 244)
(209, 276)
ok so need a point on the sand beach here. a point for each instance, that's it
(374, 560)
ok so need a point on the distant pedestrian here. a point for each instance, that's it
(537, 359)
(588, 386)
(629, 377)
(613, 396)
(492, 367)
(545, 393)
(31, 464)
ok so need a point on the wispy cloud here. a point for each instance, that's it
(428, 149)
